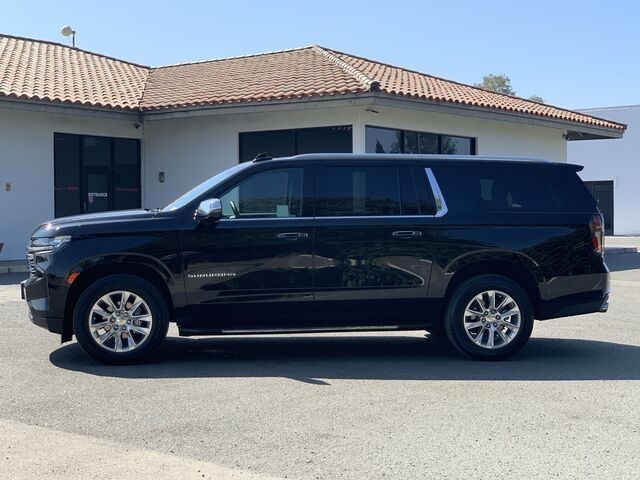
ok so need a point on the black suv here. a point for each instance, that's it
(473, 248)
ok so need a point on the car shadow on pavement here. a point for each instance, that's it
(319, 359)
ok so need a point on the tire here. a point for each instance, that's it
(496, 336)
(139, 326)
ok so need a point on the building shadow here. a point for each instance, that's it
(320, 359)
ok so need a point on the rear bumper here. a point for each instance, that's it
(571, 295)
(570, 308)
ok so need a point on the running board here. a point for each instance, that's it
(189, 332)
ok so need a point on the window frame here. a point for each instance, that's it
(295, 133)
(403, 141)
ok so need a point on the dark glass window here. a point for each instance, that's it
(324, 140)
(409, 197)
(459, 145)
(425, 194)
(512, 188)
(383, 140)
(270, 194)
(96, 151)
(411, 144)
(94, 174)
(358, 191)
(284, 143)
(126, 173)
(429, 143)
(387, 140)
(66, 152)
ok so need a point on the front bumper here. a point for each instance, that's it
(34, 290)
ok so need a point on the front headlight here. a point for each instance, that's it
(49, 244)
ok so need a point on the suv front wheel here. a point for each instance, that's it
(120, 319)
(489, 317)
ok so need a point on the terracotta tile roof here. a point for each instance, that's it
(399, 81)
(36, 70)
(282, 75)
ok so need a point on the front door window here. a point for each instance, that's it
(95, 174)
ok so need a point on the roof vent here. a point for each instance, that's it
(261, 157)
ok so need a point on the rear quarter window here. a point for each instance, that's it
(513, 188)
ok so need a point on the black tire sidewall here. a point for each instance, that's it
(138, 286)
(454, 319)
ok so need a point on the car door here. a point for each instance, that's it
(252, 269)
(373, 243)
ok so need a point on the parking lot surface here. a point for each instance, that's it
(370, 406)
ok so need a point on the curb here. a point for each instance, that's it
(16, 269)
(619, 250)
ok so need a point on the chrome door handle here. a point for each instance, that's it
(407, 234)
(292, 235)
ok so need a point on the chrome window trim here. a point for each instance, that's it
(441, 204)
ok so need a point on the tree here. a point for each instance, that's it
(502, 84)
(497, 83)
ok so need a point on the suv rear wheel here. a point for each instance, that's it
(120, 319)
(489, 317)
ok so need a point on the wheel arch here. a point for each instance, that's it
(512, 270)
(90, 274)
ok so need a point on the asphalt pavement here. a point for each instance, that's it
(357, 406)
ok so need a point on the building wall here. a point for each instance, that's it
(192, 149)
(26, 162)
(617, 160)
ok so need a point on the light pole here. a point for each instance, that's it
(66, 31)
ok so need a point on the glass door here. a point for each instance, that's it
(95, 174)
(97, 188)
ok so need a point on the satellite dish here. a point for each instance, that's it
(67, 30)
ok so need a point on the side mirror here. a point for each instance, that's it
(210, 209)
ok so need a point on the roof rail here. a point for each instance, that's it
(261, 157)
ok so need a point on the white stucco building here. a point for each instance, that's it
(611, 169)
(81, 132)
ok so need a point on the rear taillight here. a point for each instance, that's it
(597, 232)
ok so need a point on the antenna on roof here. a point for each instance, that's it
(66, 31)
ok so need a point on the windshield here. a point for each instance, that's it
(205, 186)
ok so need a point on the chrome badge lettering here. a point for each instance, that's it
(211, 275)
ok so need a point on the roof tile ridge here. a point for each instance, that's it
(144, 89)
(235, 57)
(369, 83)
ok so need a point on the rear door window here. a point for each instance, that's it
(366, 190)
(513, 188)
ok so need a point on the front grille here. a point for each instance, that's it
(33, 269)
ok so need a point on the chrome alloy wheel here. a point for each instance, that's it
(492, 319)
(120, 321)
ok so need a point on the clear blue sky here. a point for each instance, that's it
(572, 53)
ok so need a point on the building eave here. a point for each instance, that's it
(572, 130)
(69, 109)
